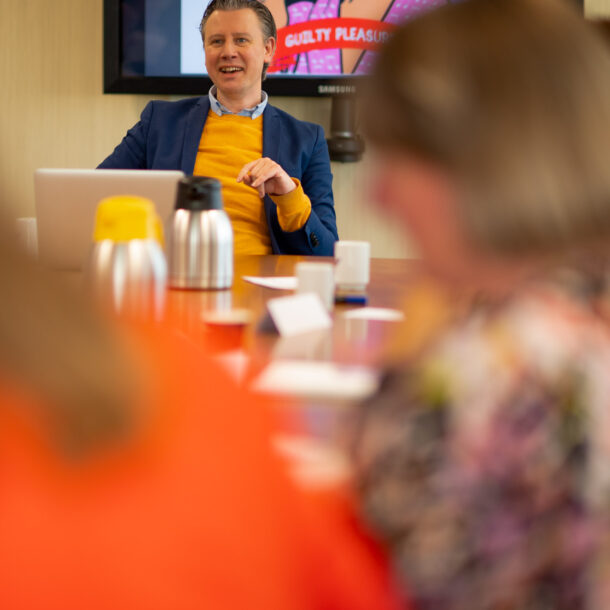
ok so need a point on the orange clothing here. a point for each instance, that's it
(227, 143)
(195, 512)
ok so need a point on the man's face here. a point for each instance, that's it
(235, 51)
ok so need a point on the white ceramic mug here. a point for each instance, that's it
(352, 266)
(318, 278)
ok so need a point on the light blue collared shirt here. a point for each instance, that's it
(253, 113)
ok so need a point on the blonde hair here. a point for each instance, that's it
(512, 99)
(53, 345)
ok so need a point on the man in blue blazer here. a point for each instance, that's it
(290, 181)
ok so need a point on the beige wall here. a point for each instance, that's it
(53, 112)
(597, 8)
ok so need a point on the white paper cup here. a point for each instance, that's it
(317, 278)
(352, 266)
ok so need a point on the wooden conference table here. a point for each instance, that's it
(316, 449)
(350, 341)
(315, 442)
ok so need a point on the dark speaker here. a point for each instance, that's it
(344, 144)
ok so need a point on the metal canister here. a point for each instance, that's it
(127, 269)
(200, 237)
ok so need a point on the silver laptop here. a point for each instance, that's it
(66, 200)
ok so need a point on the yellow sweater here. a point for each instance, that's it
(227, 144)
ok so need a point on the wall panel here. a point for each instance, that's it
(597, 8)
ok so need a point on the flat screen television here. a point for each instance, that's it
(324, 46)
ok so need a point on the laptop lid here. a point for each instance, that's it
(66, 201)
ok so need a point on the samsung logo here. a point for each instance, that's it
(336, 89)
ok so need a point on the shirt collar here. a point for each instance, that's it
(253, 113)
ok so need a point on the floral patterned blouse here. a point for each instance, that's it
(484, 460)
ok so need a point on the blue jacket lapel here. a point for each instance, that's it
(272, 138)
(272, 134)
(193, 130)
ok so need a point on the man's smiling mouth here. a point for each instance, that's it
(230, 69)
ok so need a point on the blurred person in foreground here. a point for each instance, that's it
(484, 459)
(133, 474)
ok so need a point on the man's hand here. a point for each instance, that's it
(267, 177)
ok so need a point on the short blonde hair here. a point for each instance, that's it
(512, 98)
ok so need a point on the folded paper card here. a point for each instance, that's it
(298, 314)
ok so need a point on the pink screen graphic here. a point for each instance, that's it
(335, 37)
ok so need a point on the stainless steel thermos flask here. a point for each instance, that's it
(127, 269)
(200, 237)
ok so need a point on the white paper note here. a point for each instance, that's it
(314, 464)
(276, 283)
(317, 380)
(375, 313)
(298, 314)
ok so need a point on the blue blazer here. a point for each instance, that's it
(167, 137)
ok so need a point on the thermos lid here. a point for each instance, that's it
(126, 217)
(198, 193)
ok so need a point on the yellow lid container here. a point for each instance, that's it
(126, 217)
